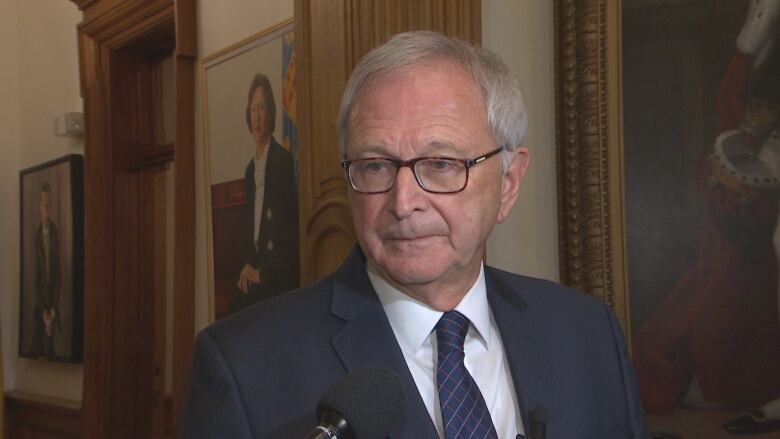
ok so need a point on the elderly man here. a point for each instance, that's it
(430, 133)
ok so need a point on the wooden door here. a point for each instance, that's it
(129, 160)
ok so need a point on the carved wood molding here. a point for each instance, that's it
(120, 25)
(83, 4)
(118, 39)
(584, 199)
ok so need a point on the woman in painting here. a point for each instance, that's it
(270, 238)
(715, 340)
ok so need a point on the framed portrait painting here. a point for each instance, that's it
(52, 260)
(249, 115)
(668, 128)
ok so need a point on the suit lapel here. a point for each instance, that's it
(368, 340)
(527, 356)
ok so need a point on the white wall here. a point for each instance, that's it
(220, 26)
(521, 32)
(38, 84)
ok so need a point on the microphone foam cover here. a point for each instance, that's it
(370, 399)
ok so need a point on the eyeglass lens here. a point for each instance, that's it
(434, 174)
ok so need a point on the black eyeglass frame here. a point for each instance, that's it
(467, 163)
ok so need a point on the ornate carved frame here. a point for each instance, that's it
(588, 116)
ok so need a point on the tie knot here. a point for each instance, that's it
(451, 331)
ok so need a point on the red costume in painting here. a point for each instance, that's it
(719, 323)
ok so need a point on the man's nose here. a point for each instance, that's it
(407, 195)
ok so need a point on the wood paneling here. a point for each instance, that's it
(331, 36)
(41, 417)
(119, 44)
(184, 58)
(37, 417)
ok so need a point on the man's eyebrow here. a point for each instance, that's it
(442, 148)
(373, 150)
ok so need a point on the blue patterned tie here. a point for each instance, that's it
(463, 410)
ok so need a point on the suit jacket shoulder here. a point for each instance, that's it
(259, 372)
(566, 353)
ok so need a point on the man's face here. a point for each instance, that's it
(428, 244)
(259, 117)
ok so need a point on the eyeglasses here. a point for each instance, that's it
(438, 175)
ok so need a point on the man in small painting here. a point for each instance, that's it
(47, 279)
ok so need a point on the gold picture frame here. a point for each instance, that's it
(588, 109)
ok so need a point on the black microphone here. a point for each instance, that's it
(537, 423)
(362, 405)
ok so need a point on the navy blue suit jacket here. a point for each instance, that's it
(259, 373)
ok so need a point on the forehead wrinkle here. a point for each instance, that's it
(435, 133)
(431, 145)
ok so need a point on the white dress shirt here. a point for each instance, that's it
(259, 177)
(413, 324)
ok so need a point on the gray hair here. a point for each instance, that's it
(506, 112)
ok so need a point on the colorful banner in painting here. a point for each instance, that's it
(290, 114)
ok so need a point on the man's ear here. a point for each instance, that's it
(510, 182)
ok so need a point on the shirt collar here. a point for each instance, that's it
(413, 321)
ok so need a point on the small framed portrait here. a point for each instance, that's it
(250, 146)
(52, 260)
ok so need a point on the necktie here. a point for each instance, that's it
(463, 409)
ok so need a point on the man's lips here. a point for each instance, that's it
(410, 233)
(403, 238)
